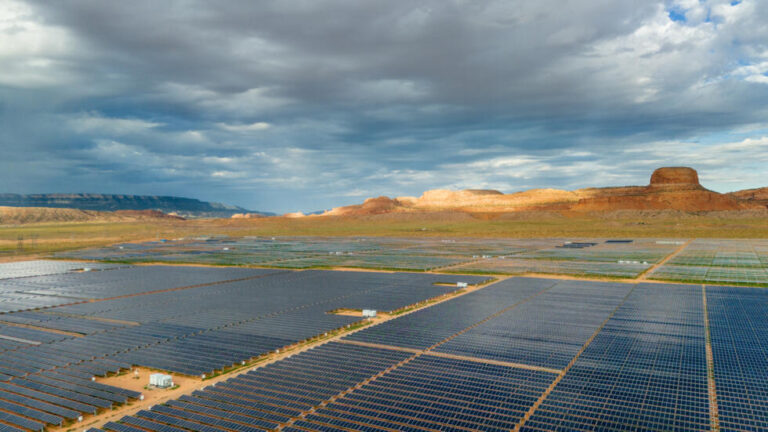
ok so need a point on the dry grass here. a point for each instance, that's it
(41, 239)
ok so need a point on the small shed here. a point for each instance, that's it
(160, 380)
(369, 313)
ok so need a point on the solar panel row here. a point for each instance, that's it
(646, 370)
(22, 269)
(278, 292)
(128, 280)
(436, 393)
(532, 334)
(233, 325)
(426, 327)
(53, 397)
(738, 325)
(53, 321)
(719, 261)
(271, 395)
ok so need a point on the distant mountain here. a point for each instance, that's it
(670, 188)
(28, 215)
(185, 207)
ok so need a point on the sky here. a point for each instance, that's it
(303, 105)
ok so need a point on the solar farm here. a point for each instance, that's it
(272, 336)
(723, 262)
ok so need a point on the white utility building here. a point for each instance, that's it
(160, 380)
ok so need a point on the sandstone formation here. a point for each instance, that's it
(675, 176)
(371, 206)
(670, 188)
(294, 215)
(247, 216)
(757, 196)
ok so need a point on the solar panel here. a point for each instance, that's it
(101, 403)
(85, 390)
(117, 427)
(21, 421)
(78, 406)
(31, 413)
(39, 405)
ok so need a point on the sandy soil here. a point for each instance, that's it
(358, 313)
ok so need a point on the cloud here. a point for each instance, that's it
(253, 127)
(295, 105)
(33, 53)
(96, 123)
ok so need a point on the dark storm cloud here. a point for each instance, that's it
(289, 105)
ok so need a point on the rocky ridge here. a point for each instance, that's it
(670, 188)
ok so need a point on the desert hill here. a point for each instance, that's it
(757, 196)
(670, 188)
(186, 207)
(25, 215)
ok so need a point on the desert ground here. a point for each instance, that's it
(32, 239)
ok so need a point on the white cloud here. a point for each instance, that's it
(252, 127)
(108, 149)
(227, 174)
(762, 79)
(249, 103)
(96, 123)
(33, 54)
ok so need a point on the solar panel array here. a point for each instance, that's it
(625, 259)
(517, 266)
(562, 355)
(272, 395)
(619, 259)
(282, 290)
(233, 325)
(646, 369)
(437, 394)
(426, 327)
(19, 269)
(528, 353)
(34, 396)
(301, 253)
(16, 297)
(719, 261)
(531, 335)
(738, 324)
(127, 280)
(63, 323)
(186, 320)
